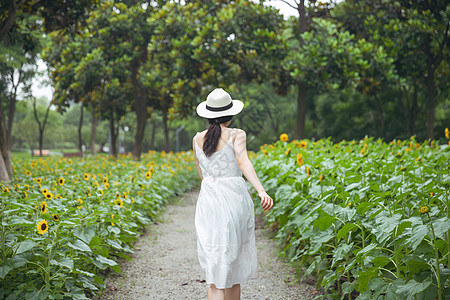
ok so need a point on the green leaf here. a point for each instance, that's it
(64, 262)
(418, 233)
(25, 246)
(324, 222)
(85, 233)
(365, 276)
(79, 245)
(413, 287)
(441, 226)
(344, 230)
(105, 260)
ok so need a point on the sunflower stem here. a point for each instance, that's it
(436, 252)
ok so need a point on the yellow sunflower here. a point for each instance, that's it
(117, 195)
(80, 201)
(300, 159)
(303, 144)
(148, 175)
(86, 176)
(119, 202)
(42, 227)
(45, 191)
(38, 180)
(124, 196)
(49, 195)
(43, 207)
(55, 217)
(288, 151)
(27, 172)
(112, 223)
(447, 135)
(105, 180)
(307, 171)
(424, 209)
(61, 181)
(321, 177)
(106, 185)
(5, 189)
(284, 137)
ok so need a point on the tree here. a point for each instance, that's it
(17, 67)
(416, 35)
(55, 14)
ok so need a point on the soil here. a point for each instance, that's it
(165, 264)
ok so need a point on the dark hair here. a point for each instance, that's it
(213, 134)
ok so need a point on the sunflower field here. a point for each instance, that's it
(64, 222)
(370, 219)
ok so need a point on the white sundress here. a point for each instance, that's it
(224, 220)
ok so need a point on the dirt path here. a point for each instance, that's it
(165, 264)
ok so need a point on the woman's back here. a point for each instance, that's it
(222, 163)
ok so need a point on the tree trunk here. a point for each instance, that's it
(301, 111)
(3, 156)
(380, 115)
(140, 107)
(80, 125)
(3, 173)
(166, 132)
(12, 11)
(414, 111)
(152, 141)
(113, 134)
(93, 132)
(431, 104)
(302, 88)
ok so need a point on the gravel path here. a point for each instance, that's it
(165, 264)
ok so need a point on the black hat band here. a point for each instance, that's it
(219, 108)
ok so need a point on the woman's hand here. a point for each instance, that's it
(266, 201)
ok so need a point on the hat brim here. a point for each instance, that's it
(237, 107)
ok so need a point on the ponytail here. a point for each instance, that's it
(213, 134)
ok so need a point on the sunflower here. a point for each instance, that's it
(124, 196)
(101, 192)
(303, 144)
(148, 175)
(55, 217)
(112, 223)
(446, 133)
(61, 181)
(431, 194)
(284, 137)
(80, 201)
(45, 191)
(288, 151)
(38, 180)
(42, 227)
(105, 180)
(86, 176)
(27, 172)
(80, 206)
(424, 209)
(25, 194)
(307, 171)
(106, 185)
(119, 202)
(5, 189)
(43, 207)
(117, 195)
(49, 195)
(300, 159)
(321, 177)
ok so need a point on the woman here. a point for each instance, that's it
(224, 217)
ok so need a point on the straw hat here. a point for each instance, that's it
(219, 104)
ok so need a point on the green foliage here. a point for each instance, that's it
(93, 211)
(365, 216)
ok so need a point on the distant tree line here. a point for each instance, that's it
(345, 69)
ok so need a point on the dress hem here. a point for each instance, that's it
(241, 283)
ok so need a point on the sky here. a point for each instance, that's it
(40, 90)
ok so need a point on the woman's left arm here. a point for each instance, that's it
(196, 160)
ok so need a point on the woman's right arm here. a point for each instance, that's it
(246, 167)
(196, 160)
